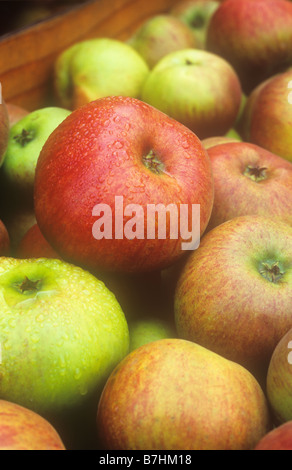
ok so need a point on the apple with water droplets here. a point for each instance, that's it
(118, 185)
(61, 333)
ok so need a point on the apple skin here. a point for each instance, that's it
(4, 130)
(23, 429)
(148, 401)
(279, 379)
(267, 116)
(34, 245)
(254, 36)
(96, 68)
(4, 240)
(196, 14)
(116, 137)
(62, 332)
(234, 292)
(279, 438)
(159, 35)
(26, 139)
(197, 88)
(249, 180)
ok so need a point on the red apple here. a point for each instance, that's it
(254, 36)
(279, 438)
(234, 293)
(118, 156)
(34, 245)
(4, 240)
(267, 116)
(23, 429)
(172, 394)
(249, 180)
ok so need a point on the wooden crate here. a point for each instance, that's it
(27, 56)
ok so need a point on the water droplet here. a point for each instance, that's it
(83, 389)
(118, 144)
(77, 374)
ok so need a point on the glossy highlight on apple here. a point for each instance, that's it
(162, 221)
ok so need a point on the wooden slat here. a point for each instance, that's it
(27, 56)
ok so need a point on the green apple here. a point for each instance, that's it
(23, 429)
(145, 330)
(197, 88)
(160, 35)
(196, 14)
(26, 140)
(96, 68)
(173, 394)
(234, 293)
(61, 333)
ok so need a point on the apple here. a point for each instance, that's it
(196, 14)
(15, 113)
(249, 180)
(279, 379)
(234, 292)
(197, 88)
(173, 394)
(26, 139)
(4, 240)
(267, 116)
(159, 35)
(23, 429)
(95, 68)
(254, 36)
(102, 204)
(279, 438)
(34, 245)
(62, 331)
(4, 130)
(145, 330)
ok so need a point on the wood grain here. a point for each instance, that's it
(28, 55)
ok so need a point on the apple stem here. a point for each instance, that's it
(153, 163)
(271, 271)
(28, 286)
(24, 137)
(256, 173)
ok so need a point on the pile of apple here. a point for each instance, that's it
(113, 336)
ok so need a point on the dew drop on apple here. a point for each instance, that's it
(118, 144)
(83, 389)
(77, 374)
